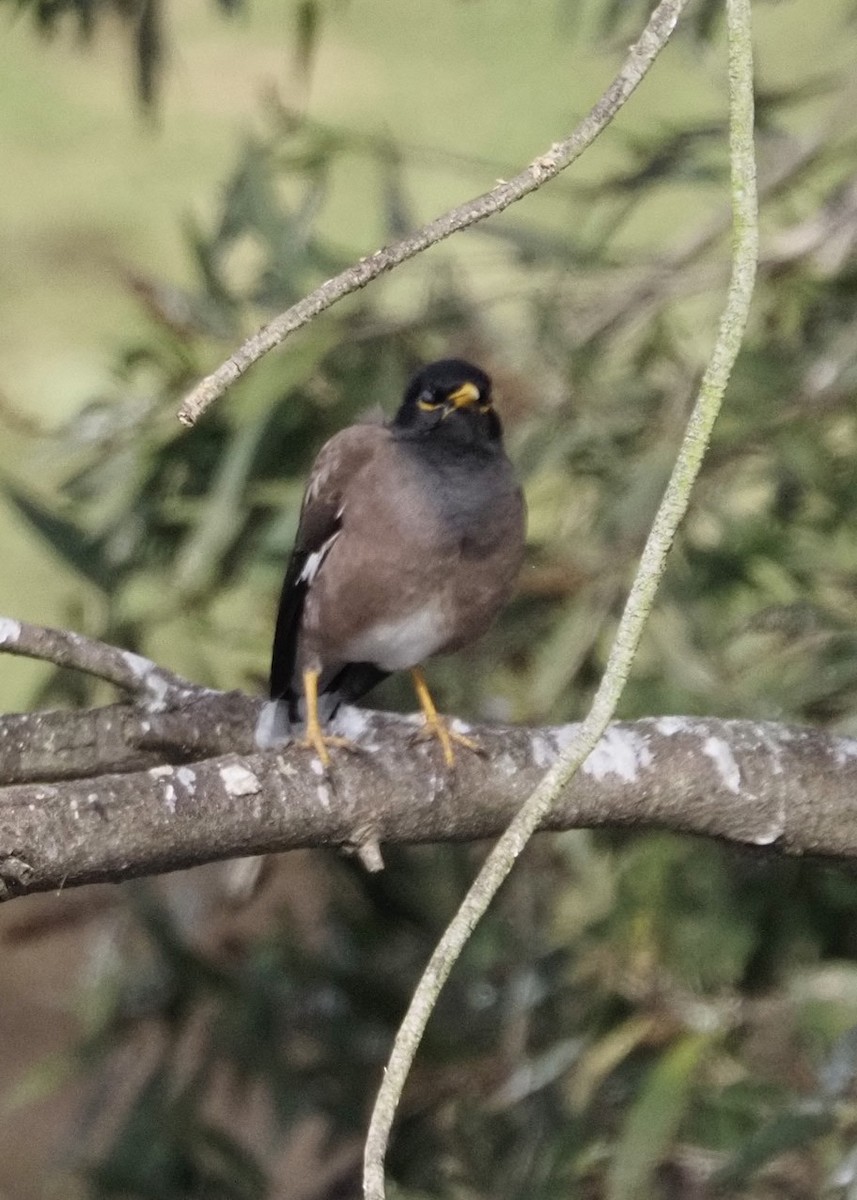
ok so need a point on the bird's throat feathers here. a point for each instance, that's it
(472, 431)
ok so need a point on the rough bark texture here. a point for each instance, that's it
(122, 791)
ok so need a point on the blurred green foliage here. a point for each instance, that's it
(143, 20)
(638, 1016)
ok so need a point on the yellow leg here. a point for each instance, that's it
(315, 738)
(435, 726)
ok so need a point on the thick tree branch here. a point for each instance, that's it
(200, 792)
(544, 168)
(51, 746)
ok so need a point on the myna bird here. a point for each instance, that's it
(410, 538)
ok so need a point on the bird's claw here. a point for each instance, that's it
(317, 741)
(438, 728)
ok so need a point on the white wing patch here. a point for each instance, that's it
(314, 560)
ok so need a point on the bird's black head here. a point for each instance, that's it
(452, 397)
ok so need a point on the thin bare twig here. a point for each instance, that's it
(544, 168)
(131, 672)
(671, 510)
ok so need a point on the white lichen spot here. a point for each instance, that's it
(162, 774)
(770, 741)
(620, 752)
(506, 765)
(770, 835)
(187, 778)
(323, 793)
(137, 665)
(844, 750)
(239, 781)
(316, 766)
(154, 683)
(542, 750)
(564, 735)
(459, 726)
(670, 726)
(10, 631)
(721, 755)
(158, 691)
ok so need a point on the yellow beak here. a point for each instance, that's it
(468, 393)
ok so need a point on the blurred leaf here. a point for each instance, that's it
(150, 49)
(654, 1118)
(838, 1073)
(308, 27)
(142, 16)
(227, 1163)
(40, 1081)
(75, 547)
(399, 217)
(787, 1131)
(605, 1056)
(198, 562)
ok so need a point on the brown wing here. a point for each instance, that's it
(324, 502)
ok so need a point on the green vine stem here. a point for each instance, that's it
(672, 508)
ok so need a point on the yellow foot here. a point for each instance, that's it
(315, 740)
(436, 727)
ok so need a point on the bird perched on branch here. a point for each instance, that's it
(410, 538)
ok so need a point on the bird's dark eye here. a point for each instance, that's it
(427, 404)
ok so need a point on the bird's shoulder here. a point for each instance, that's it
(340, 459)
(338, 463)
